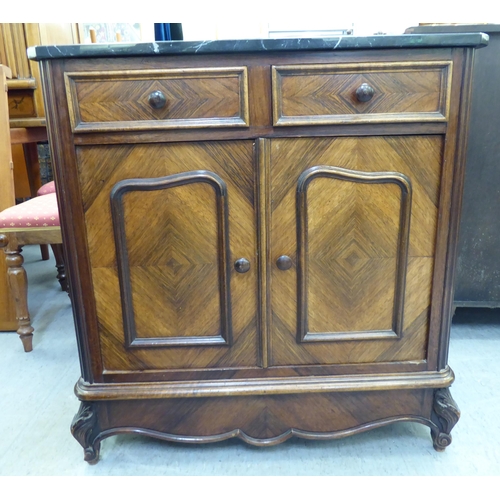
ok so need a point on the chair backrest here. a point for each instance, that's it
(7, 199)
(7, 193)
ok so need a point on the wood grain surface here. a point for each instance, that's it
(364, 240)
(269, 420)
(374, 346)
(110, 100)
(352, 231)
(311, 94)
(179, 260)
(172, 234)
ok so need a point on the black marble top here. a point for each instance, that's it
(347, 42)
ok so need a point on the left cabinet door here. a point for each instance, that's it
(171, 233)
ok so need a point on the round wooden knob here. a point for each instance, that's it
(364, 92)
(242, 265)
(157, 99)
(284, 263)
(4, 241)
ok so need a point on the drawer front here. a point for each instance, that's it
(361, 93)
(158, 99)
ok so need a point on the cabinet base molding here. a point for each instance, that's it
(264, 420)
(268, 386)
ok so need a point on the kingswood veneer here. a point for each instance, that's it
(261, 234)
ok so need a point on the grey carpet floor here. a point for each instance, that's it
(38, 404)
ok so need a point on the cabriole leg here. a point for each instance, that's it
(445, 415)
(85, 429)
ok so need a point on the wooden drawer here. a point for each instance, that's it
(190, 98)
(322, 94)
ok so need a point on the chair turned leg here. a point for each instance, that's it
(18, 282)
(61, 272)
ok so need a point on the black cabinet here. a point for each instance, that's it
(477, 282)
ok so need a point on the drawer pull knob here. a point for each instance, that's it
(364, 92)
(157, 99)
(284, 263)
(242, 265)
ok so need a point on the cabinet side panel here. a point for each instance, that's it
(74, 231)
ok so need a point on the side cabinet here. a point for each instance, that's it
(477, 281)
(261, 244)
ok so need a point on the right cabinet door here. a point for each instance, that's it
(352, 232)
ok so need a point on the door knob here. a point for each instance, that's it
(284, 263)
(364, 92)
(242, 265)
(157, 99)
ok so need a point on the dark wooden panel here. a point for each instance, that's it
(399, 92)
(267, 132)
(117, 100)
(477, 282)
(257, 372)
(269, 420)
(478, 267)
(173, 233)
(418, 158)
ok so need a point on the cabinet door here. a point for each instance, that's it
(165, 225)
(352, 238)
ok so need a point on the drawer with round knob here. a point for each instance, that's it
(103, 101)
(383, 92)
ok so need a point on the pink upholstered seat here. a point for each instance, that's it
(38, 212)
(48, 188)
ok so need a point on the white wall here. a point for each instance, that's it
(252, 19)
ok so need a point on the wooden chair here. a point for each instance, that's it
(35, 221)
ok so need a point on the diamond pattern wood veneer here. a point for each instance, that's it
(352, 234)
(172, 245)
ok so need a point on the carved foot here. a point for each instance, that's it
(26, 338)
(61, 273)
(445, 415)
(18, 282)
(85, 429)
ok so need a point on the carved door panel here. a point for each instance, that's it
(352, 236)
(165, 225)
